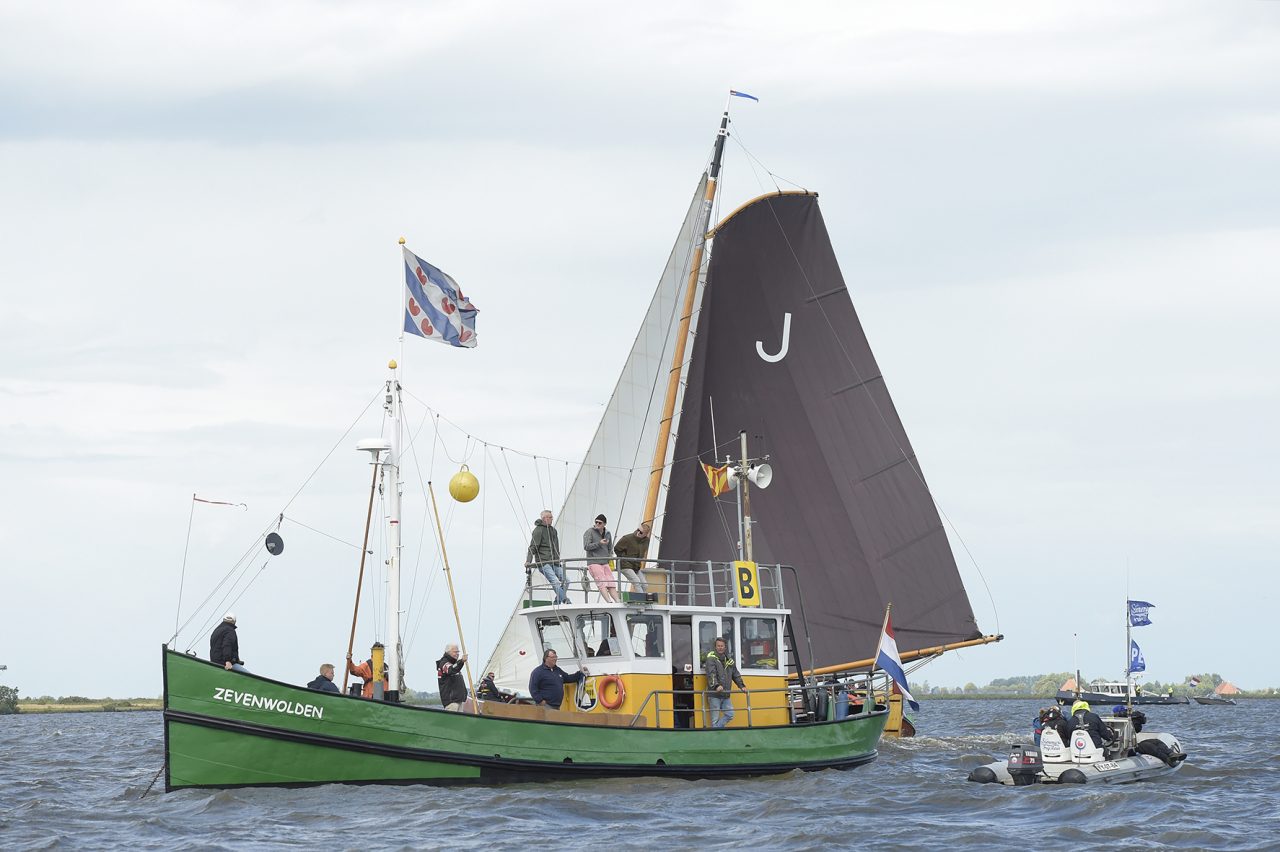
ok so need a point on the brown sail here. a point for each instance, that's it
(780, 354)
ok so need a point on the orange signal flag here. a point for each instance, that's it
(717, 478)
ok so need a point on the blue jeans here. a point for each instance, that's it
(555, 576)
(721, 708)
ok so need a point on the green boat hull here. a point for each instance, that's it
(229, 729)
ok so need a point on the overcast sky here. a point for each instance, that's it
(1058, 222)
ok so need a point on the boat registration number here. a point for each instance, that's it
(1106, 766)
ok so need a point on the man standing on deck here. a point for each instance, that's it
(546, 684)
(453, 689)
(224, 646)
(544, 553)
(722, 674)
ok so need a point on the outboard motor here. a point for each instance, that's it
(1025, 765)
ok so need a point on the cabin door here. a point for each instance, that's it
(682, 669)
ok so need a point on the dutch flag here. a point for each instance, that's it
(887, 660)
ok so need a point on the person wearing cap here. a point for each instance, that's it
(224, 645)
(1082, 718)
(630, 549)
(597, 542)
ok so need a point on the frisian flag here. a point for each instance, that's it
(1136, 663)
(435, 307)
(887, 660)
(1140, 613)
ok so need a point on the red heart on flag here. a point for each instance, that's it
(422, 276)
(426, 327)
(413, 307)
(447, 305)
(464, 337)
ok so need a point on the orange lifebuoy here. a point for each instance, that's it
(620, 692)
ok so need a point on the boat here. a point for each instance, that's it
(1107, 692)
(1213, 699)
(797, 567)
(1067, 755)
(1135, 756)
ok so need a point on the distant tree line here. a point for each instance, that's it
(1047, 685)
(8, 700)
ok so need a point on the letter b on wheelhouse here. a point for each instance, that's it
(747, 583)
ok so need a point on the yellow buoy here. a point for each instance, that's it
(464, 486)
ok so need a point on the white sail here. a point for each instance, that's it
(614, 475)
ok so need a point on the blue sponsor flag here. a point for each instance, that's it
(1140, 613)
(434, 305)
(743, 95)
(1136, 663)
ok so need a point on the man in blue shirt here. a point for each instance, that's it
(546, 684)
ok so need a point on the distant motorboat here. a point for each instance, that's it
(1213, 699)
(1116, 692)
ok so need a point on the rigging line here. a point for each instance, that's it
(332, 449)
(529, 455)
(436, 536)
(323, 533)
(248, 585)
(507, 462)
(182, 578)
(417, 465)
(484, 498)
(238, 565)
(866, 390)
(776, 177)
(542, 494)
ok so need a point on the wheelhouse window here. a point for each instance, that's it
(707, 638)
(759, 643)
(554, 633)
(599, 636)
(646, 634)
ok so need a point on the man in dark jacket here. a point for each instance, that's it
(633, 546)
(453, 689)
(544, 554)
(722, 674)
(546, 684)
(1084, 718)
(324, 681)
(224, 646)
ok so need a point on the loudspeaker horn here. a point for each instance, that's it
(760, 475)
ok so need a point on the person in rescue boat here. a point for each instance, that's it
(1084, 718)
(722, 674)
(224, 645)
(453, 689)
(324, 681)
(546, 684)
(544, 554)
(598, 543)
(633, 546)
(364, 671)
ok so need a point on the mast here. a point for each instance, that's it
(682, 334)
(392, 404)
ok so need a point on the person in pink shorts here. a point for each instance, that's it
(598, 543)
